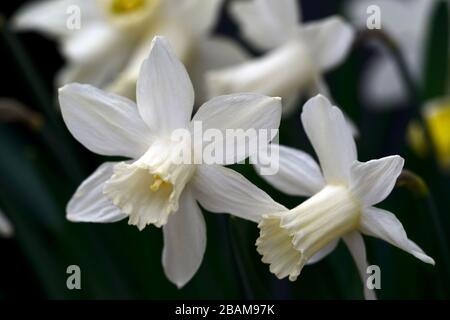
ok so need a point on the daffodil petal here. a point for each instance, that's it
(184, 241)
(51, 16)
(97, 72)
(89, 204)
(298, 173)
(374, 180)
(95, 41)
(355, 244)
(198, 15)
(211, 54)
(165, 96)
(330, 39)
(104, 123)
(331, 138)
(266, 23)
(246, 112)
(384, 225)
(222, 190)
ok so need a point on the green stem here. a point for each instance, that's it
(440, 239)
(248, 293)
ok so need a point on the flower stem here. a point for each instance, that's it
(440, 239)
(240, 268)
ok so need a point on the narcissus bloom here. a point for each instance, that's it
(297, 54)
(382, 85)
(107, 48)
(6, 229)
(342, 191)
(155, 187)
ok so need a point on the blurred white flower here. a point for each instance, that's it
(297, 54)
(6, 229)
(114, 38)
(152, 188)
(407, 23)
(342, 191)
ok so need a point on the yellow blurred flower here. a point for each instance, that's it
(436, 115)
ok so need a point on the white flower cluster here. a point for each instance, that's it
(146, 94)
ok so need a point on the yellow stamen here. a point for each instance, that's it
(157, 182)
(126, 6)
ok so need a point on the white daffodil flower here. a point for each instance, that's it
(107, 48)
(297, 54)
(342, 191)
(6, 229)
(407, 23)
(155, 187)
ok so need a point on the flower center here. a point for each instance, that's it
(148, 190)
(132, 16)
(126, 6)
(289, 239)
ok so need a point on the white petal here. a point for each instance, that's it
(330, 40)
(355, 244)
(104, 123)
(293, 58)
(323, 252)
(298, 173)
(98, 71)
(255, 115)
(96, 40)
(384, 225)
(198, 15)
(374, 180)
(89, 204)
(396, 17)
(184, 241)
(213, 53)
(266, 23)
(182, 43)
(331, 138)
(223, 190)
(382, 86)
(51, 16)
(6, 229)
(165, 96)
